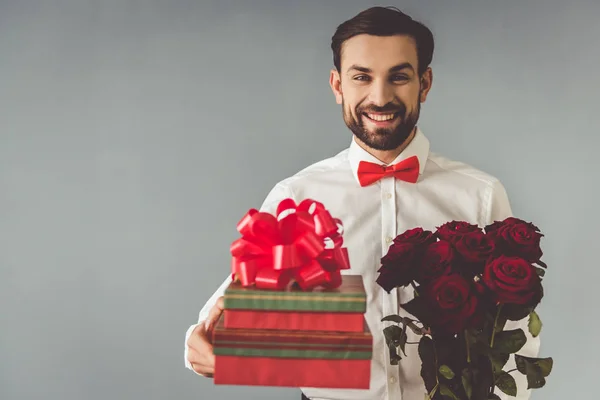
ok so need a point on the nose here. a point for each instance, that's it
(381, 93)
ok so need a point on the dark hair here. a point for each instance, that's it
(384, 21)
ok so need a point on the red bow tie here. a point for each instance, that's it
(406, 170)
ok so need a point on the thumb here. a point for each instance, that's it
(216, 310)
(214, 314)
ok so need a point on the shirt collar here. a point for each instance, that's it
(418, 146)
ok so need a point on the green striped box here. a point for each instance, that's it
(349, 297)
(292, 344)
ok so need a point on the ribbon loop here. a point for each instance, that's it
(291, 245)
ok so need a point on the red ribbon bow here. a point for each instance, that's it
(273, 250)
(406, 170)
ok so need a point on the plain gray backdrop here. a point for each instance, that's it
(135, 134)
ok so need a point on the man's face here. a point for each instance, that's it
(380, 89)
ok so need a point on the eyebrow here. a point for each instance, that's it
(395, 68)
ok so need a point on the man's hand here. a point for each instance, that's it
(200, 353)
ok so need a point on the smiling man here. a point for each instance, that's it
(385, 182)
(378, 82)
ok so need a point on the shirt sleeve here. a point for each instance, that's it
(499, 207)
(498, 210)
(278, 193)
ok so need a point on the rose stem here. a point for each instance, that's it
(468, 348)
(494, 328)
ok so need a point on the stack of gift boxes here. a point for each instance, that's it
(293, 337)
(291, 318)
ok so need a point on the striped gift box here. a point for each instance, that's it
(319, 309)
(292, 358)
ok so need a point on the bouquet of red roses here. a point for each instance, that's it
(468, 282)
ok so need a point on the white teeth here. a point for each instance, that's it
(377, 117)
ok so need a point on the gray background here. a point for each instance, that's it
(135, 134)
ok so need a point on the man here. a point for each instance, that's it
(381, 77)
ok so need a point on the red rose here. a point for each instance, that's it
(416, 237)
(475, 248)
(517, 238)
(437, 261)
(513, 280)
(454, 230)
(453, 302)
(509, 221)
(397, 267)
(398, 253)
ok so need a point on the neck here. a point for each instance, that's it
(387, 156)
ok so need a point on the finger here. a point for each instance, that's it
(216, 310)
(200, 349)
(203, 356)
(196, 336)
(203, 370)
(220, 303)
(199, 341)
(213, 316)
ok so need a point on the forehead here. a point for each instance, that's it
(379, 52)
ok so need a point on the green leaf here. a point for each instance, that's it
(392, 334)
(535, 324)
(494, 397)
(395, 337)
(466, 381)
(406, 321)
(535, 377)
(394, 356)
(447, 392)
(403, 340)
(506, 383)
(393, 318)
(540, 272)
(536, 370)
(446, 372)
(530, 367)
(544, 363)
(498, 361)
(509, 341)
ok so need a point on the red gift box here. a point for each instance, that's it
(320, 309)
(295, 321)
(259, 357)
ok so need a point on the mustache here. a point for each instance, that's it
(388, 108)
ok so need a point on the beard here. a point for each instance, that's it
(383, 138)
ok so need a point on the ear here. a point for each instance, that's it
(336, 85)
(426, 82)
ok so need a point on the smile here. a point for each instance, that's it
(385, 118)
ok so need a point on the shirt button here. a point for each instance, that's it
(388, 195)
(392, 379)
(389, 239)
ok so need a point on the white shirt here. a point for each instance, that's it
(372, 216)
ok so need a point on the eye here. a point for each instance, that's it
(399, 78)
(363, 78)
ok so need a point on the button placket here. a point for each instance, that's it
(390, 301)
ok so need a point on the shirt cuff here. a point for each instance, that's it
(187, 363)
